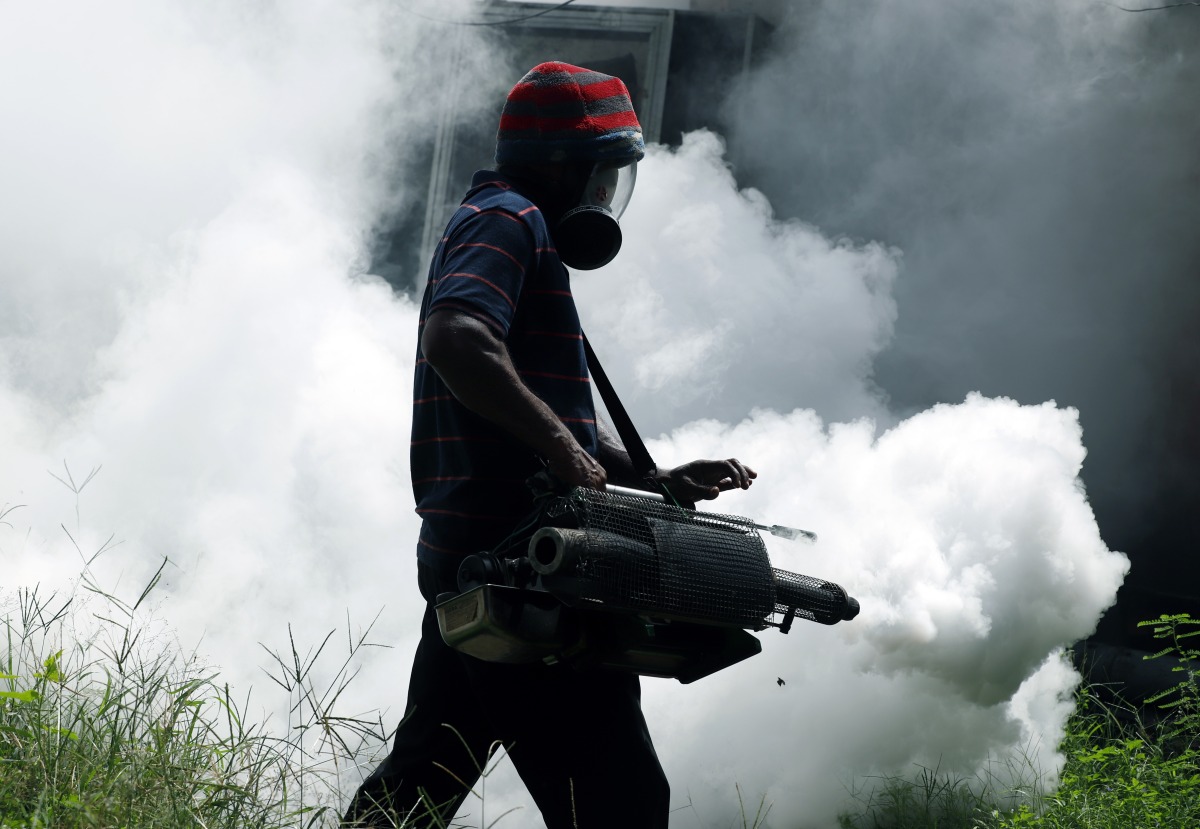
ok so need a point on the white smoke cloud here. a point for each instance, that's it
(193, 194)
(179, 306)
(714, 306)
(1036, 163)
(965, 535)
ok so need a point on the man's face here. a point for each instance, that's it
(610, 187)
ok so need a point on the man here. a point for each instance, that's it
(502, 388)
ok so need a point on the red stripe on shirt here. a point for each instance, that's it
(487, 282)
(504, 213)
(438, 549)
(440, 478)
(451, 439)
(462, 307)
(490, 247)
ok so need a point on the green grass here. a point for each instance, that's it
(108, 727)
(111, 728)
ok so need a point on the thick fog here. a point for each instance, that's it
(185, 303)
(714, 307)
(1036, 163)
(963, 529)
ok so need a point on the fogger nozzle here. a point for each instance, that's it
(815, 599)
(790, 533)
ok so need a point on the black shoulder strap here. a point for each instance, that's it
(643, 464)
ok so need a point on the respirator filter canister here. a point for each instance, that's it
(588, 235)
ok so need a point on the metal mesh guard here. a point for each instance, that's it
(669, 561)
(809, 598)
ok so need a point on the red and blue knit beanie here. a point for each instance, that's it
(559, 112)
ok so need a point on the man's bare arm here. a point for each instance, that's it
(615, 459)
(475, 365)
(700, 480)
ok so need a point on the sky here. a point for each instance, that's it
(908, 324)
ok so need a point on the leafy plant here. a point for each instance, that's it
(1181, 701)
(1121, 770)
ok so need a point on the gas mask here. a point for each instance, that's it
(588, 236)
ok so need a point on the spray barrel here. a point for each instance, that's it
(813, 599)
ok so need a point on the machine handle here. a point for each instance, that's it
(613, 489)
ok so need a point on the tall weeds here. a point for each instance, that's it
(112, 726)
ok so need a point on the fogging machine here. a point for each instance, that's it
(617, 581)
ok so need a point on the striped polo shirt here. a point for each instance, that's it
(497, 263)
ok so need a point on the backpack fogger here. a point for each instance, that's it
(624, 580)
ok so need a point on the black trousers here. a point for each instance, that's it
(578, 739)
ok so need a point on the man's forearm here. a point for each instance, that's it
(475, 365)
(615, 459)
